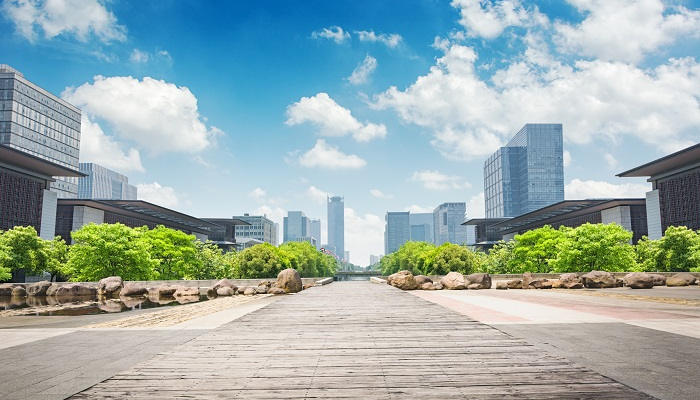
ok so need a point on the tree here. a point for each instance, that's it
(211, 262)
(416, 257)
(57, 256)
(5, 272)
(389, 264)
(535, 249)
(499, 259)
(677, 250)
(23, 249)
(595, 247)
(452, 257)
(260, 261)
(303, 257)
(175, 251)
(103, 250)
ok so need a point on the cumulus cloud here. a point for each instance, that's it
(389, 39)
(155, 193)
(331, 118)
(139, 57)
(625, 30)
(258, 193)
(589, 189)
(97, 147)
(415, 208)
(334, 33)
(157, 115)
(323, 155)
(364, 235)
(379, 194)
(476, 206)
(611, 160)
(77, 18)
(363, 70)
(435, 180)
(317, 195)
(488, 19)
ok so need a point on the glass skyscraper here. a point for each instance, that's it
(447, 223)
(103, 183)
(526, 174)
(296, 226)
(336, 225)
(397, 230)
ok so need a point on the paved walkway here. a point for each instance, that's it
(357, 340)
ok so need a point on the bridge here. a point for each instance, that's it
(355, 275)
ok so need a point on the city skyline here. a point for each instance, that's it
(339, 102)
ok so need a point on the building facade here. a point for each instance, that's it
(316, 231)
(421, 227)
(447, 223)
(336, 225)
(397, 230)
(374, 259)
(260, 228)
(296, 225)
(103, 183)
(527, 173)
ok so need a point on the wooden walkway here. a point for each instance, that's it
(357, 340)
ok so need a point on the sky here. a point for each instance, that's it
(223, 108)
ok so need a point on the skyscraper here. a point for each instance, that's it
(527, 174)
(316, 231)
(397, 230)
(421, 227)
(103, 183)
(296, 226)
(336, 224)
(447, 223)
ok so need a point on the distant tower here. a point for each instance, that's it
(336, 224)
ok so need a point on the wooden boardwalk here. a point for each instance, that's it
(357, 340)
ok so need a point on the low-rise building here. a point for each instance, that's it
(102, 183)
(259, 227)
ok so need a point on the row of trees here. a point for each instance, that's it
(105, 250)
(584, 248)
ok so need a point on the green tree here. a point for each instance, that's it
(103, 250)
(303, 257)
(210, 262)
(389, 264)
(5, 272)
(416, 257)
(452, 257)
(24, 250)
(499, 259)
(260, 261)
(647, 254)
(595, 247)
(57, 256)
(534, 250)
(175, 251)
(677, 250)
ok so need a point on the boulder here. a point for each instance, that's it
(6, 289)
(75, 290)
(570, 281)
(224, 283)
(132, 289)
(438, 286)
(502, 285)
(250, 290)
(619, 282)
(515, 284)
(427, 286)
(111, 305)
(289, 280)
(659, 280)
(421, 279)
(241, 289)
(478, 281)
(309, 285)
(453, 281)
(403, 280)
(51, 291)
(599, 279)
(182, 291)
(38, 289)
(681, 279)
(261, 290)
(530, 282)
(19, 291)
(557, 283)
(276, 290)
(162, 291)
(639, 280)
(110, 287)
(266, 283)
(225, 291)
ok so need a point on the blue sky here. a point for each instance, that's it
(223, 108)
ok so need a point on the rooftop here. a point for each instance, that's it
(679, 159)
(33, 163)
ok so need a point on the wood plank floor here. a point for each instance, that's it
(357, 340)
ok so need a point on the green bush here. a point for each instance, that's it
(595, 247)
(452, 257)
(678, 250)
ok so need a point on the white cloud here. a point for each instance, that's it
(363, 70)
(488, 19)
(567, 158)
(589, 189)
(97, 147)
(379, 194)
(611, 160)
(142, 56)
(157, 115)
(163, 196)
(79, 18)
(334, 33)
(323, 155)
(331, 118)
(625, 30)
(258, 193)
(364, 235)
(435, 180)
(415, 208)
(390, 40)
(317, 195)
(139, 57)
(476, 206)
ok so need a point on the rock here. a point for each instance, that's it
(51, 291)
(110, 287)
(276, 290)
(478, 281)
(515, 284)
(438, 286)
(570, 281)
(132, 301)
(427, 286)
(421, 279)
(556, 283)
(501, 285)
(187, 299)
(225, 291)
(639, 280)
(261, 290)
(183, 291)
(75, 290)
(658, 279)
(249, 291)
(241, 289)
(132, 289)
(111, 306)
(162, 291)
(38, 289)
(266, 283)
(599, 279)
(619, 282)
(19, 291)
(6, 289)
(681, 279)
(224, 283)
(309, 285)
(289, 280)
(453, 281)
(403, 280)
(530, 282)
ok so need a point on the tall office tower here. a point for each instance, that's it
(421, 227)
(374, 259)
(296, 226)
(336, 224)
(104, 184)
(447, 223)
(260, 228)
(527, 174)
(397, 230)
(38, 123)
(316, 231)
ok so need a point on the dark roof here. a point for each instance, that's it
(559, 211)
(147, 211)
(35, 164)
(687, 156)
(232, 221)
(477, 221)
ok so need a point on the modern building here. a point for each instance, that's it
(72, 214)
(308, 239)
(481, 233)
(37, 123)
(447, 223)
(225, 236)
(346, 258)
(102, 183)
(374, 259)
(421, 227)
(526, 174)
(246, 243)
(316, 231)
(336, 224)
(674, 199)
(629, 213)
(260, 228)
(397, 230)
(296, 225)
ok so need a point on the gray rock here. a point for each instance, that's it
(276, 290)
(530, 282)
(75, 290)
(289, 280)
(639, 280)
(659, 280)
(224, 283)
(570, 281)
(421, 279)
(162, 291)
(132, 289)
(515, 284)
(249, 291)
(225, 291)
(502, 285)
(261, 290)
(599, 279)
(38, 289)
(403, 280)
(453, 281)
(478, 281)
(110, 287)
(681, 279)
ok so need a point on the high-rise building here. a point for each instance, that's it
(296, 226)
(397, 230)
(316, 231)
(527, 174)
(421, 227)
(336, 224)
(374, 259)
(103, 183)
(346, 258)
(447, 223)
(261, 228)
